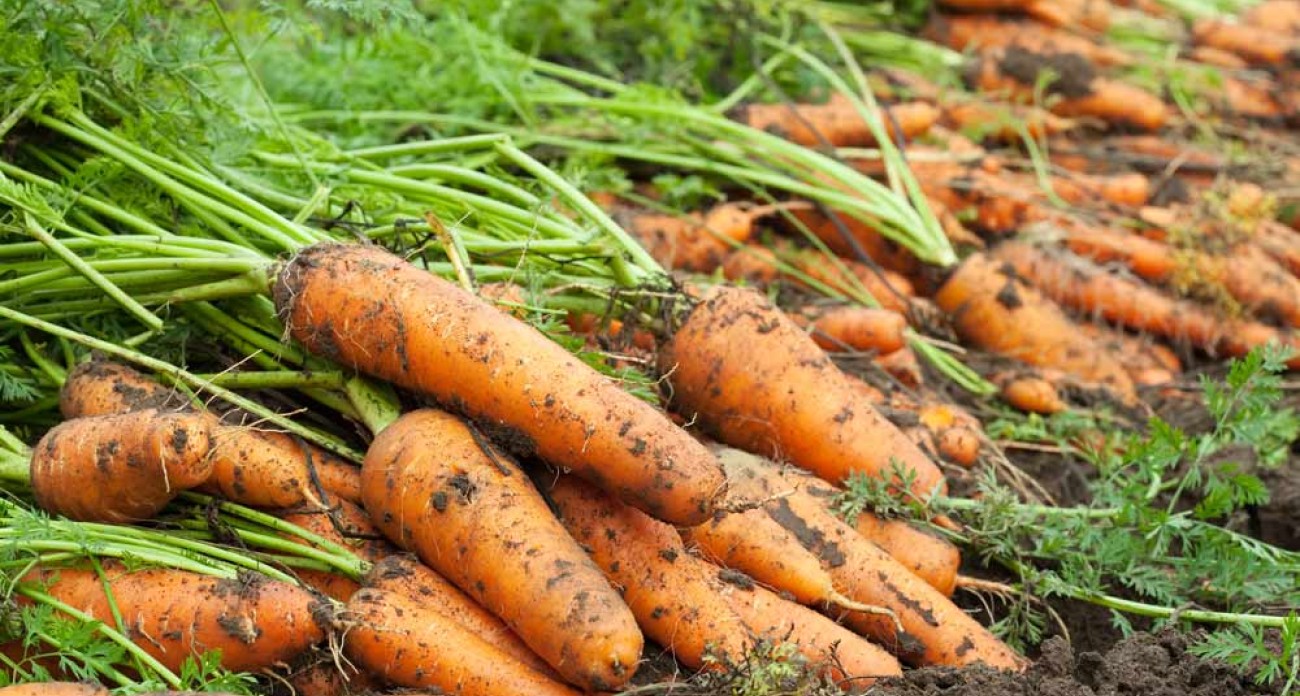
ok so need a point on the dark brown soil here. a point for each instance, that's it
(1146, 664)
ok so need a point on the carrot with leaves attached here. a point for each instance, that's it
(348, 526)
(174, 615)
(837, 122)
(436, 487)
(755, 380)
(369, 309)
(413, 645)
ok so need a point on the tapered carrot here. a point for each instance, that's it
(411, 644)
(979, 32)
(172, 614)
(1258, 46)
(756, 381)
(848, 328)
(373, 311)
(249, 466)
(1079, 91)
(1030, 392)
(435, 487)
(991, 308)
(850, 660)
(406, 575)
(836, 122)
(348, 526)
(1087, 288)
(676, 599)
(120, 468)
(934, 630)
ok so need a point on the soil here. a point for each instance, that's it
(1146, 664)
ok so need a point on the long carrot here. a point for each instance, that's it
(371, 310)
(892, 290)
(676, 599)
(1088, 288)
(172, 614)
(756, 381)
(1281, 16)
(406, 575)
(1258, 46)
(102, 387)
(1001, 120)
(861, 236)
(415, 646)
(980, 32)
(836, 122)
(54, 689)
(992, 309)
(934, 630)
(435, 487)
(120, 468)
(1081, 14)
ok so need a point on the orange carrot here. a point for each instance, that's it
(980, 32)
(54, 689)
(862, 238)
(836, 122)
(758, 382)
(751, 263)
(407, 576)
(850, 660)
(1080, 91)
(411, 644)
(991, 308)
(891, 290)
(322, 676)
(348, 526)
(934, 630)
(1000, 120)
(1258, 46)
(102, 387)
(172, 614)
(120, 468)
(373, 311)
(902, 365)
(695, 242)
(676, 599)
(1281, 16)
(1030, 393)
(1088, 288)
(842, 328)
(435, 487)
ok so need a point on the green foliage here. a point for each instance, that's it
(1270, 655)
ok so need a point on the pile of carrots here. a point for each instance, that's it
(528, 526)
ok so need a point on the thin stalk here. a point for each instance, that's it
(279, 379)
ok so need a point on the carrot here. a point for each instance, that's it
(373, 311)
(341, 479)
(891, 290)
(434, 487)
(861, 238)
(836, 122)
(411, 644)
(934, 630)
(1081, 14)
(120, 468)
(1139, 353)
(992, 309)
(694, 242)
(607, 331)
(850, 660)
(676, 599)
(902, 365)
(54, 689)
(405, 575)
(1080, 91)
(249, 466)
(348, 526)
(751, 263)
(172, 614)
(780, 394)
(1280, 242)
(322, 676)
(981, 32)
(1129, 189)
(1087, 288)
(850, 328)
(1256, 45)
(1030, 393)
(1281, 16)
(999, 120)
(508, 297)
(1243, 270)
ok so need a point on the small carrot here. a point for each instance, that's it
(849, 328)
(436, 487)
(1030, 393)
(120, 468)
(751, 263)
(1258, 46)
(694, 242)
(781, 394)
(836, 122)
(407, 576)
(1087, 288)
(173, 615)
(676, 599)
(373, 311)
(411, 644)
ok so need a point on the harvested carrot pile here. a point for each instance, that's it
(555, 348)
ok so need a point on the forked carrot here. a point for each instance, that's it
(436, 487)
(369, 309)
(756, 381)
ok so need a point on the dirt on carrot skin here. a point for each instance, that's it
(1147, 664)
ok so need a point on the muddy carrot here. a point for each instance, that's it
(412, 645)
(892, 290)
(373, 311)
(848, 328)
(836, 122)
(677, 600)
(120, 468)
(255, 622)
(103, 387)
(348, 526)
(1085, 287)
(783, 395)
(436, 487)
(406, 575)
(1029, 392)
(322, 676)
